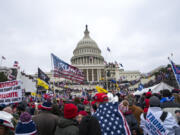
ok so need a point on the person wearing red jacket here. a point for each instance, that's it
(146, 101)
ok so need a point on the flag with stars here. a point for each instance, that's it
(111, 120)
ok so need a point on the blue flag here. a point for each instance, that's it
(140, 87)
(176, 71)
(111, 120)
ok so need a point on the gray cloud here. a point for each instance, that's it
(141, 34)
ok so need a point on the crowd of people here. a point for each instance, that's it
(101, 114)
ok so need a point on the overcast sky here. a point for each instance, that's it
(140, 33)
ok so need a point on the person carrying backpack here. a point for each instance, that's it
(157, 122)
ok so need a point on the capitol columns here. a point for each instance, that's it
(87, 75)
(92, 75)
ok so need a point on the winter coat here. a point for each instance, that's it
(46, 123)
(146, 105)
(137, 111)
(131, 120)
(155, 124)
(89, 126)
(67, 127)
(170, 106)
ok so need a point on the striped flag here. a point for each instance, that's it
(176, 71)
(16, 64)
(64, 70)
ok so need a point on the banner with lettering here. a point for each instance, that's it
(153, 125)
(10, 92)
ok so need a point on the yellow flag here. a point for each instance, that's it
(101, 90)
(42, 83)
(33, 94)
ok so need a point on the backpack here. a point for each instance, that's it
(162, 117)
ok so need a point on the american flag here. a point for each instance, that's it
(16, 64)
(105, 62)
(111, 120)
(64, 70)
(11, 77)
(176, 71)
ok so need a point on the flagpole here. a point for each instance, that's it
(1, 61)
(174, 72)
(53, 74)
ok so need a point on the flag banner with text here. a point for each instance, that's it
(10, 92)
(64, 70)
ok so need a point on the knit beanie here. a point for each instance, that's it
(46, 106)
(83, 113)
(148, 94)
(25, 125)
(6, 120)
(70, 111)
(154, 101)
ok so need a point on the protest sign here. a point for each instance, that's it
(10, 92)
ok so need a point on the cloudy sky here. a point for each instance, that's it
(140, 33)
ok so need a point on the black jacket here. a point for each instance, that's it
(67, 127)
(89, 126)
(131, 120)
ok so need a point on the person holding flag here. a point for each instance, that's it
(110, 117)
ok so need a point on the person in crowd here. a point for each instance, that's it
(176, 98)
(146, 101)
(141, 100)
(6, 125)
(25, 125)
(156, 121)
(68, 125)
(80, 115)
(89, 124)
(132, 122)
(8, 109)
(110, 117)
(56, 110)
(136, 110)
(46, 121)
(168, 104)
(177, 112)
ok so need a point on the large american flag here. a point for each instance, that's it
(111, 120)
(64, 70)
(176, 71)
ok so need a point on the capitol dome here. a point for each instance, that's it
(87, 51)
(87, 57)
